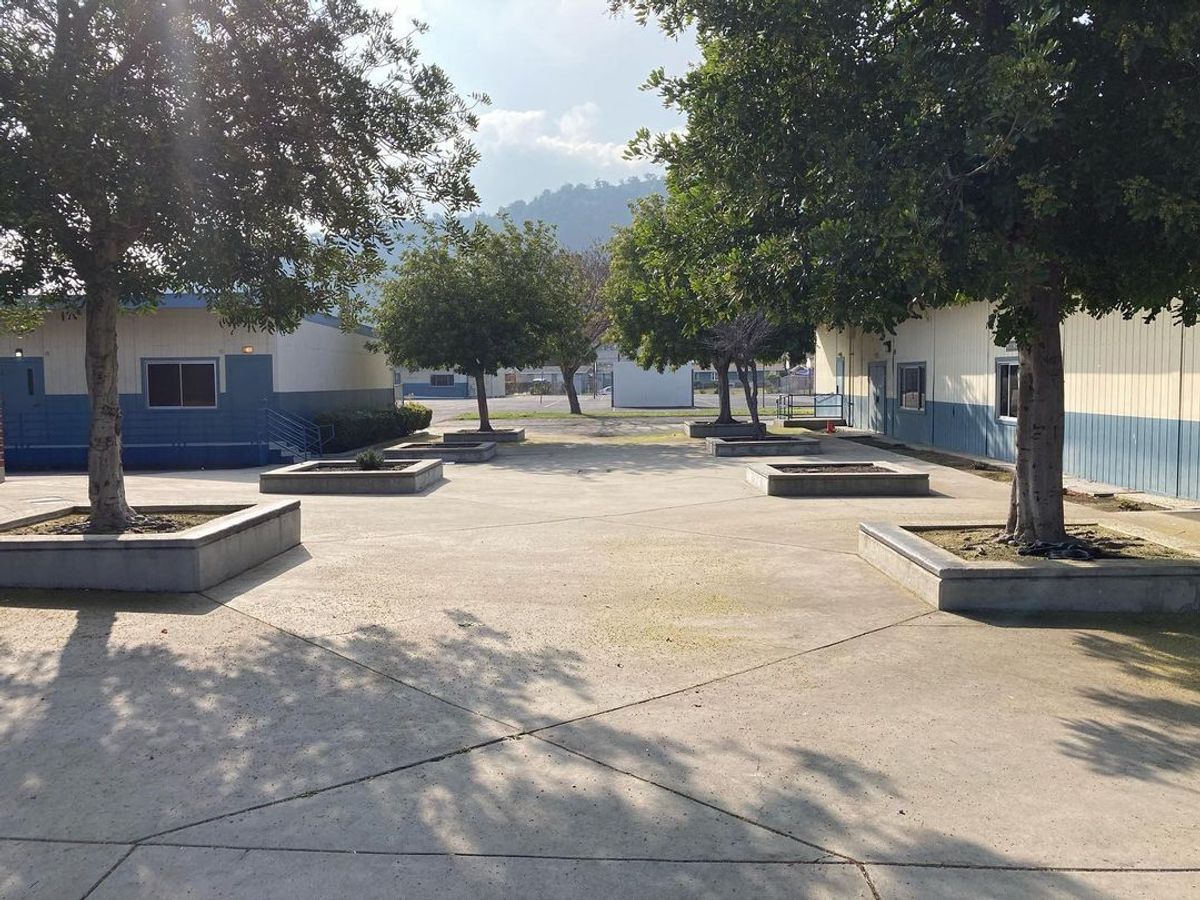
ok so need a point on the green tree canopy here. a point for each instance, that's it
(584, 318)
(476, 304)
(893, 156)
(688, 284)
(256, 153)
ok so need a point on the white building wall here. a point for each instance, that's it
(635, 387)
(318, 357)
(163, 334)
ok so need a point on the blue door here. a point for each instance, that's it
(22, 393)
(249, 383)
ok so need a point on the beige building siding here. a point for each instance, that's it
(1132, 392)
(165, 334)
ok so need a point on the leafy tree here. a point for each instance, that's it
(476, 304)
(693, 281)
(253, 152)
(898, 155)
(658, 318)
(585, 319)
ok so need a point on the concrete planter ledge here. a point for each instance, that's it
(762, 445)
(702, 429)
(186, 561)
(409, 476)
(497, 436)
(946, 581)
(452, 452)
(834, 480)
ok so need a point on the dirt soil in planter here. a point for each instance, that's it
(761, 437)
(836, 468)
(158, 523)
(980, 544)
(392, 466)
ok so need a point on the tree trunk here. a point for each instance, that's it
(742, 373)
(485, 423)
(725, 414)
(106, 479)
(568, 374)
(1036, 506)
(752, 397)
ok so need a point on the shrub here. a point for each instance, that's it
(370, 460)
(354, 428)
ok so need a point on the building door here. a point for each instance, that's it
(877, 415)
(22, 385)
(22, 391)
(248, 382)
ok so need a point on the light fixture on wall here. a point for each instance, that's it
(18, 353)
(248, 348)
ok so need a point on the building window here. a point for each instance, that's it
(910, 383)
(441, 379)
(1008, 384)
(181, 385)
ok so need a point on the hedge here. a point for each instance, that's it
(354, 428)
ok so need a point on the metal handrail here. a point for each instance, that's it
(810, 406)
(296, 433)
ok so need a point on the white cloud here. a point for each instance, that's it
(572, 135)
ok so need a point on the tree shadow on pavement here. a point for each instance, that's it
(189, 724)
(1152, 727)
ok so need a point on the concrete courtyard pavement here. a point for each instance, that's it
(600, 665)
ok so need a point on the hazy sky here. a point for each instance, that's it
(564, 79)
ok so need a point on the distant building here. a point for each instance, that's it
(1132, 392)
(193, 392)
(431, 384)
(636, 388)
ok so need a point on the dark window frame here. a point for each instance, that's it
(1003, 362)
(923, 368)
(441, 379)
(180, 362)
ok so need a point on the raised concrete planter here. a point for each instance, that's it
(762, 445)
(498, 436)
(343, 476)
(187, 561)
(834, 480)
(731, 429)
(947, 581)
(462, 453)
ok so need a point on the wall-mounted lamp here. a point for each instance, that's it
(18, 353)
(248, 349)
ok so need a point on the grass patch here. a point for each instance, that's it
(949, 460)
(1111, 503)
(510, 414)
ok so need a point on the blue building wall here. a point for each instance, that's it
(56, 436)
(421, 390)
(50, 431)
(1161, 456)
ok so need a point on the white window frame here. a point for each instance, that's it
(181, 362)
(1001, 363)
(924, 369)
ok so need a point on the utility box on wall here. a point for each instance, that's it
(636, 388)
